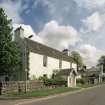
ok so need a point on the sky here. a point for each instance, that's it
(74, 24)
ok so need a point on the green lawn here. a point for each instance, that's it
(42, 92)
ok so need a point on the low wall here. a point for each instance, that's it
(16, 86)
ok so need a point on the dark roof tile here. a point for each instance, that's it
(45, 50)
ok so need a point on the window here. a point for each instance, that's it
(45, 61)
(60, 64)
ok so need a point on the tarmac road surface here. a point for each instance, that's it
(93, 96)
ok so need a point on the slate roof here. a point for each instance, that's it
(92, 71)
(45, 50)
(66, 72)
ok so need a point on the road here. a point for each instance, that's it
(93, 96)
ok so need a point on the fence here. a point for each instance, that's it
(16, 86)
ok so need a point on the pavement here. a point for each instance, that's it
(90, 96)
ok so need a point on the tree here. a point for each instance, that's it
(77, 58)
(101, 62)
(9, 50)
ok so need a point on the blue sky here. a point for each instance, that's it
(75, 24)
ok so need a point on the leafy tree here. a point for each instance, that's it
(77, 58)
(9, 50)
(101, 62)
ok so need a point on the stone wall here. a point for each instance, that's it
(16, 86)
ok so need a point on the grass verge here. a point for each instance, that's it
(42, 92)
(89, 85)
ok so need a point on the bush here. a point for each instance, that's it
(103, 79)
(81, 81)
(55, 81)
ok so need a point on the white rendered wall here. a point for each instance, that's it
(65, 65)
(37, 68)
(74, 66)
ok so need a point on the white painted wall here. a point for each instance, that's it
(37, 68)
(65, 65)
(74, 66)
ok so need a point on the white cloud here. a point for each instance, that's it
(93, 33)
(28, 31)
(93, 29)
(53, 35)
(93, 22)
(58, 36)
(91, 4)
(90, 54)
(13, 10)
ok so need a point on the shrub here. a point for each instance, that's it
(55, 81)
(81, 81)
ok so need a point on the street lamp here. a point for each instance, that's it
(25, 62)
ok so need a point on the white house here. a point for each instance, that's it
(42, 59)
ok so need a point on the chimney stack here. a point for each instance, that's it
(19, 34)
(66, 52)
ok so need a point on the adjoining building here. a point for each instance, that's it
(92, 75)
(69, 75)
(42, 59)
